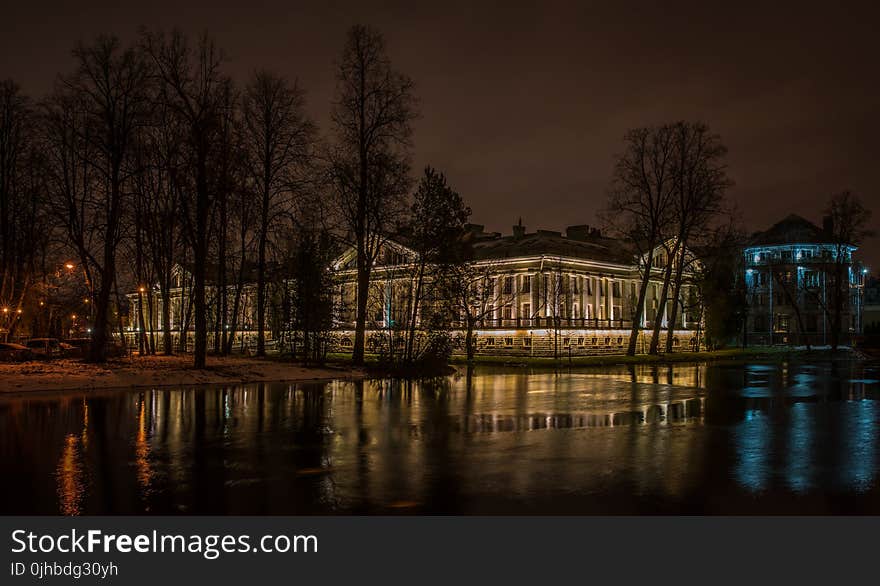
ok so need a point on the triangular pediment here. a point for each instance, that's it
(391, 254)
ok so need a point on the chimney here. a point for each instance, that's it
(828, 225)
(580, 232)
(519, 230)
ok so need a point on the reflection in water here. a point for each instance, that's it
(70, 472)
(71, 483)
(799, 470)
(859, 447)
(623, 440)
(142, 449)
(752, 438)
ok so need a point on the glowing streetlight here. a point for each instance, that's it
(142, 289)
(68, 266)
(73, 316)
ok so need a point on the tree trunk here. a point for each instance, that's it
(661, 305)
(200, 258)
(185, 317)
(167, 345)
(152, 337)
(676, 294)
(363, 295)
(98, 347)
(410, 342)
(838, 302)
(469, 340)
(640, 305)
(261, 300)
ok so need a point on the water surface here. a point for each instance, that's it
(723, 438)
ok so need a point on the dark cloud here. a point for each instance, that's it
(524, 103)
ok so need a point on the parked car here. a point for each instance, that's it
(70, 351)
(45, 347)
(81, 346)
(10, 352)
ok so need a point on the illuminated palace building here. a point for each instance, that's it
(545, 293)
(790, 275)
(548, 293)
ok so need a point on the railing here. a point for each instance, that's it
(534, 322)
(555, 322)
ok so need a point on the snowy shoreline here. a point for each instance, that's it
(156, 371)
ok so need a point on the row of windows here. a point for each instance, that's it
(791, 255)
(809, 279)
(526, 341)
(563, 283)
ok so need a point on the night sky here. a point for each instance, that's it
(525, 103)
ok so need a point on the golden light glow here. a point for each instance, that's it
(142, 448)
(68, 265)
(70, 477)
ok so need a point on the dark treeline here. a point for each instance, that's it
(147, 157)
(667, 196)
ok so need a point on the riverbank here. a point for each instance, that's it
(771, 353)
(156, 371)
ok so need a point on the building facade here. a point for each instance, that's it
(790, 271)
(548, 293)
(232, 315)
(871, 307)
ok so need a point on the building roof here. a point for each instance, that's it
(578, 242)
(794, 229)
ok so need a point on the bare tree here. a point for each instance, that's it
(24, 233)
(93, 120)
(787, 284)
(439, 217)
(847, 225)
(243, 215)
(369, 163)
(643, 187)
(474, 296)
(227, 169)
(278, 137)
(191, 84)
(700, 184)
